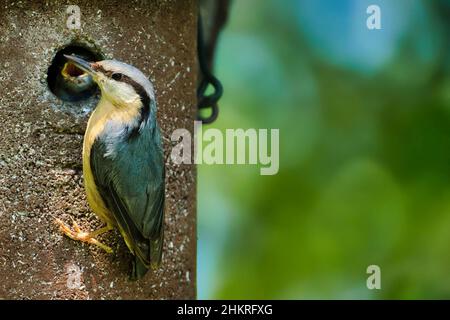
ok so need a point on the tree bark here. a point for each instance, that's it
(41, 144)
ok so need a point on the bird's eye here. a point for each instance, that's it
(116, 76)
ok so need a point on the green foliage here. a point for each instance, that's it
(364, 168)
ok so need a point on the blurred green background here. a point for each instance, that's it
(364, 119)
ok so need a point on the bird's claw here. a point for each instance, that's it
(81, 235)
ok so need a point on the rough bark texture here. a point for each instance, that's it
(41, 142)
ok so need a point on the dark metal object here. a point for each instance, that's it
(206, 48)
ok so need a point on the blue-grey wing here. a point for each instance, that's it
(129, 174)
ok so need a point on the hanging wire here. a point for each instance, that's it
(206, 79)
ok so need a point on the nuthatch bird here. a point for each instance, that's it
(123, 163)
(76, 80)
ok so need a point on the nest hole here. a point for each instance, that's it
(68, 82)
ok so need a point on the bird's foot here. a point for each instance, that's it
(77, 234)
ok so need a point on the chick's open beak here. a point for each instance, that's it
(80, 63)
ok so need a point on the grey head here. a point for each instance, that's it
(121, 83)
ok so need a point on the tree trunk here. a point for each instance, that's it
(41, 144)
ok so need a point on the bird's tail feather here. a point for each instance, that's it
(156, 252)
(138, 270)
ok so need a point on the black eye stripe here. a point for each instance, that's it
(117, 76)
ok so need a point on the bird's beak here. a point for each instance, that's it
(80, 63)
